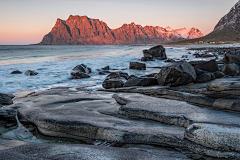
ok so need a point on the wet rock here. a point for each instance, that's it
(117, 75)
(5, 99)
(16, 72)
(113, 83)
(231, 58)
(157, 52)
(79, 75)
(230, 69)
(176, 73)
(204, 77)
(219, 74)
(209, 66)
(184, 56)
(137, 66)
(106, 68)
(140, 81)
(82, 68)
(31, 73)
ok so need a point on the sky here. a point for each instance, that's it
(27, 21)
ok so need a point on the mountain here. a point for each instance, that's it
(87, 31)
(226, 30)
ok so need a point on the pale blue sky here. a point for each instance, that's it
(27, 21)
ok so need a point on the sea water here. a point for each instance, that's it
(54, 63)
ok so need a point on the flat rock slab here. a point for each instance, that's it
(90, 116)
(221, 137)
(13, 149)
(174, 112)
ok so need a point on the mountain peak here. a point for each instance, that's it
(231, 19)
(83, 30)
(168, 28)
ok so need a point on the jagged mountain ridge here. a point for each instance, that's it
(87, 31)
(226, 30)
(231, 19)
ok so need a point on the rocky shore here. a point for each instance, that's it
(189, 110)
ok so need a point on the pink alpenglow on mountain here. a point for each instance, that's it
(81, 30)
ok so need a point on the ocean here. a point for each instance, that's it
(55, 63)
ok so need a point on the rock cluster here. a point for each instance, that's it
(82, 72)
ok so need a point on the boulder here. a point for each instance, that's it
(219, 74)
(5, 99)
(31, 73)
(200, 72)
(209, 66)
(231, 58)
(157, 52)
(230, 69)
(106, 68)
(16, 72)
(117, 75)
(140, 81)
(113, 83)
(82, 68)
(212, 76)
(176, 74)
(204, 77)
(79, 75)
(137, 65)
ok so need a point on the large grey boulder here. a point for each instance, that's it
(176, 74)
(141, 81)
(209, 66)
(157, 52)
(137, 65)
(82, 68)
(5, 99)
(230, 69)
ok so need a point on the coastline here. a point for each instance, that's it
(118, 118)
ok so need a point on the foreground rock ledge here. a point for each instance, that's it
(93, 115)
